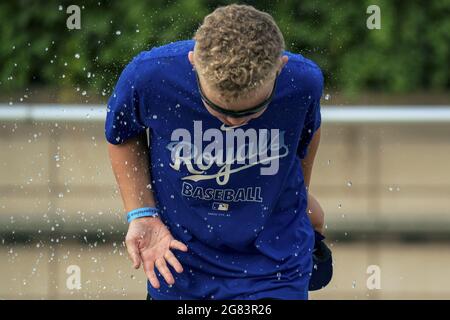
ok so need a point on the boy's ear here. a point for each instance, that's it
(191, 57)
(284, 60)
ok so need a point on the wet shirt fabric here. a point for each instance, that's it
(234, 195)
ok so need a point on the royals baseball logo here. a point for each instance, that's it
(230, 149)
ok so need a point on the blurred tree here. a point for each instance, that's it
(409, 53)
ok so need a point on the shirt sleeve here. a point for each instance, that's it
(123, 117)
(313, 119)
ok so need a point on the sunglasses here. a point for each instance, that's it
(240, 113)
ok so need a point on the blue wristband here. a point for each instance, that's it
(142, 212)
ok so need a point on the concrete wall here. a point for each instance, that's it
(376, 183)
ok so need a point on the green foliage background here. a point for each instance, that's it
(410, 53)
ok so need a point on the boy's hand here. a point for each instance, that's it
(148, 240)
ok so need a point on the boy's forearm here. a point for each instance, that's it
(129, 162)
(315, 213)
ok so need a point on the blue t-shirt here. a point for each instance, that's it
(235, 196)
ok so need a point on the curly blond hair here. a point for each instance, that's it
(237, 49)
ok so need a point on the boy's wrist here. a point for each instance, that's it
(150, 221)
(144, 212)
